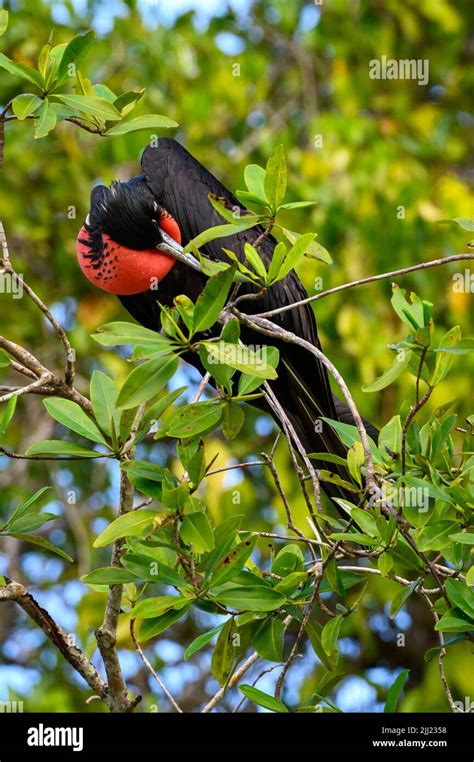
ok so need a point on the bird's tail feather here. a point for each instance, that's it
(318, 436)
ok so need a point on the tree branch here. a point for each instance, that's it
(13, 591)
(362, 281)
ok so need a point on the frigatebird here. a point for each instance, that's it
(169, 204)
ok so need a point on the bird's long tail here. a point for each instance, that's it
(318, 436)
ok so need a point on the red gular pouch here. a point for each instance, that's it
(121, 270)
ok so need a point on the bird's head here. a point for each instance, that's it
(116, 246)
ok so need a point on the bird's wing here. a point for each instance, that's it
(182, 185)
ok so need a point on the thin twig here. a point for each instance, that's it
(362, 281)
(150, 668)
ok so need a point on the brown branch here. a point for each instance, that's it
(271, 329)
(106, 633)
(408, 420)
(362, 281)
(13, 591)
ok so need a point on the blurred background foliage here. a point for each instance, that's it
(385, 159)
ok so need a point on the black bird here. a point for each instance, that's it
(116, 251)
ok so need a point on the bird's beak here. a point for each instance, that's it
(169, 246)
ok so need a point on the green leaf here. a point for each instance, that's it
(314, 250)
(463, 222)
(390, 436)
(185, 308)
(279, 254)
(289, 584)
(90, 105)
(193, 419)
(395, 691)
(444, 360)
(263, 699)
(327, 684)
(75, 52)
(232, 563)
(302, 245)
(249, 382)
(356, 459)
(197, 531)
(145, 122)
(42, 542)
(461, 596)
(432, 652)
(201, 641)
(350, 434)
(58, 447)
(242, 358)
(102, 91)
(212, 299)
(254, 177)
(149, 569)
(73, 417)
(132, 524)
(24, 105)
(402, 597)
(23, 509)
(108, 575)
(155, 411)
(314, 632)
(122, 333)
(455, 620)
(232, 419)
(412, 312)
(54, 56)
(225, 652)
(357, 537)
(3, 21)
(127, 101)
(297, 204)
(255, 260)
(435, 536)
(30, 522)
(46, 120)
(104, 398)
(330, 634)
(270, 639)
(222, 231)
(149, 628)
(7, 416)
(22, 71)
(251, 598)
(465, 538)
(289, 559)
(145, 381)
(391, 374)
(463, 347)
(275, 177)
(154, 607)
(384, 564)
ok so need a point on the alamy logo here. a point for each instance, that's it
(466, 707)
(44, 736)
(405, 68)
(11, 285)
(10, 707)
